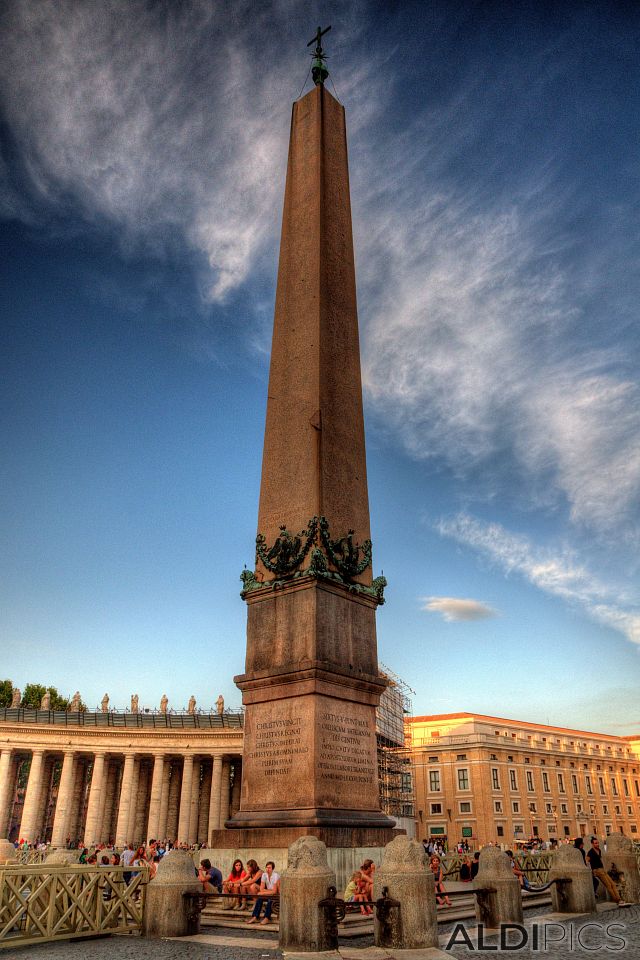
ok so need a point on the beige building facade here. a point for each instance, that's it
(487, 779)
(120, 777)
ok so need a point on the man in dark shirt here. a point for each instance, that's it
(594, 859)
(210, 877)
(475, 864)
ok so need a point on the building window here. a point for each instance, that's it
(465, 806)
(566, 830)
(549, 808)
(636, 784)
(492, 756)
(605, 809)
(434, 780)
(433, 759)
(545, 782)
(629, 811)
(515, 806)
(618, 810)
(633, 828)
(614, 787)
(463, 779)
(436, 808)
(625, 787)
(574, 783)
(495, 779)
(601, 785)
(607, 829)
(561, 783)
(497, 806)
(530, 780)
(587, 780)
(563, 808)
(513, 783)
(532, 807)
(461, 756)
(551, 828)
(518, 829)
(500, 830)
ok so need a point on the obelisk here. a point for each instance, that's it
(311, 682)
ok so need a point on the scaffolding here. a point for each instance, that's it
(395, 756)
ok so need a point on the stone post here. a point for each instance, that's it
(214, 804)
(125, 802)
(62, 855)
(304, 883)
(167, 912)
(405, 873)
(93, 824)
(7, 852)
(6, 784)
(63, 803)
(153, 822)
(185, 800)
(620, 852)
(504, 903)
(32, 797)
(577, 896)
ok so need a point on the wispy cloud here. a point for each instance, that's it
(457, 608)
(168, 121)
(558, 574)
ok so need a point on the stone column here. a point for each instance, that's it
(6, 785)
(124, 805)
(237, 783)
(108, 803)
(153, 822)
(164, 800)
(214, 802)
(205, 796)
(96, 792)
(63, 803)
(185, 799)
(576, 896)
(405, 872)
(135, 799)
(225, 792)
(194, 802)
(32, 797)
(504, 903)
(174, 800)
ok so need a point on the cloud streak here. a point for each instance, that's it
(560, 575)
(458, 609)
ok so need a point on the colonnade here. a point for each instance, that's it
(125, 797)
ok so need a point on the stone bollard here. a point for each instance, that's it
(406, 875)
(8, 853)
(577, 896)
(167, 912)
(304, 883)
(504, 903)
(620, 852)
(60, 855)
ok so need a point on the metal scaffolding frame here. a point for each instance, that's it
(395, 756)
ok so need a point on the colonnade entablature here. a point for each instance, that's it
(69, 782)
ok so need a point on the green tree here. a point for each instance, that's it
(6, 693)
(34, 692)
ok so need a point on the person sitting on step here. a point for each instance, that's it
(269, 884)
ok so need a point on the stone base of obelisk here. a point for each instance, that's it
(283, 837)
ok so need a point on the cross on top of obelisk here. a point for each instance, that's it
(319, 70)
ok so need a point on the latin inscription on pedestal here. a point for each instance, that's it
(290, 742)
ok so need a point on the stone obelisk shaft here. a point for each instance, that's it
(314, 450)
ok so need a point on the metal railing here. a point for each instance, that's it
(39, 903)
(152, 719)
(27, 857)
(535, 866)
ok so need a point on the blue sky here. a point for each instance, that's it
(495, 192)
